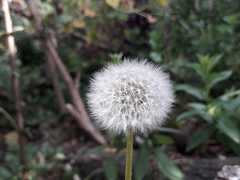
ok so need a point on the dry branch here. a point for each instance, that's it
(56, 85)
(77, 109)
(14, 79)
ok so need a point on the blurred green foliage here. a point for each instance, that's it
(196, 41)
(218, 112)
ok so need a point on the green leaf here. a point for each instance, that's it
(232, 19)
(113, 3)
(191, 90)
(46, 9)
(156, 57)
(5, 174)
(201, 110)
(207, 63)
(231, 105)
(229, 128)
(234, 104)
(186, 115)
(212, 62)
(111, 169)
(167, 167)
(141, 165)
(198, 69)
(218, 77)
(205, 66)
(204, 61)
(198, 106)
(160, 139)
(228, 142)
(116, 58)
(199, 137)
(230, 94)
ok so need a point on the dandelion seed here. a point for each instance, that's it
(131, 95)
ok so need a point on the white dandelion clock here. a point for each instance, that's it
(132, 95)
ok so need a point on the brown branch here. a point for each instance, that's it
(77, 79)
(4, 35)
(76, 99)
(56, 86)
(78, 106)
(78, 117)
(52, 71)
(14, 79)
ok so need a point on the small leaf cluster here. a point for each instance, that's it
(220, 112)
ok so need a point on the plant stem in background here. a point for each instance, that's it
(12, 50)
(129, 156)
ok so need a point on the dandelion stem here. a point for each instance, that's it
(129, 156)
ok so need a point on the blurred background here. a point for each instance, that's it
(47, 133)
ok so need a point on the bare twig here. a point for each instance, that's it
(56, 86)
(77, 79)
(89, 128)
(14, 79)
(5, 34)
(77, 106)
(8, 117)
(82, 119)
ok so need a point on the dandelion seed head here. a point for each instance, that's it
(133, 94)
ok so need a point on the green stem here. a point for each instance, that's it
(129, 156)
